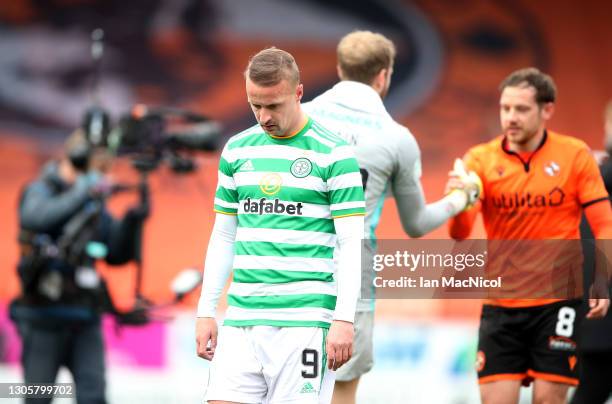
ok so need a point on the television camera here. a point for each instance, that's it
(149, 136)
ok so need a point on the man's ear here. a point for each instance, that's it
(299, 91)
(339, 71)
(548, 110)
(378, 83)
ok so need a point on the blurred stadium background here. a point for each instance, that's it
(190, 54)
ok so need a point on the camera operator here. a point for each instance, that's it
(64, 228)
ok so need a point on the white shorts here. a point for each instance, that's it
(362, 360)
(271, 365)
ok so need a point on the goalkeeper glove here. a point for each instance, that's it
(472, 185)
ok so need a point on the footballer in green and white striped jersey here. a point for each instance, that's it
(286, 192)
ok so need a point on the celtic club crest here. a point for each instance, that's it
(301, 167)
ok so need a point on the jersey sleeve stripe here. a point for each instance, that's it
(593, 202)
(225, 167)
(348, 205)
(345, 181)
(225, 204)
(344, 166)
(347, 195)
(338, 214)
(228, 195)
(226, 181)
(225, 213)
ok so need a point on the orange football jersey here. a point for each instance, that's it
(536, 197)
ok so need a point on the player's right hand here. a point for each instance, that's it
(599, 299)
(206, 332)
(465, 181)
(339, 344)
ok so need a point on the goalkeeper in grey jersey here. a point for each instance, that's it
(389, 157)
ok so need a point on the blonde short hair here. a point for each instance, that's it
(363, 54)
(272, 65)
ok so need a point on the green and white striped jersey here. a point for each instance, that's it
(286, 193)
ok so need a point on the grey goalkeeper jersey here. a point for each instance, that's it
(387, 153)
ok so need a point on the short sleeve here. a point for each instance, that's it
(590, 186)
(344, 183)
(226, 196)
(472, 163)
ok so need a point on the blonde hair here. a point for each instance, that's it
(363, 54)
(272, 65)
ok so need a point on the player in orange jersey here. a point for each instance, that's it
(536, 184)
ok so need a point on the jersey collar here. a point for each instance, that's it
(356, 96)
(504, 146)
(293, 136)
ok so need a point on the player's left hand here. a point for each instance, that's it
(339, 345)
(598, 308)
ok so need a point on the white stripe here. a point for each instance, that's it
(226, 181)
(292, 314)
(288, 153)
(248, 132)
(319, 139)
(345, 181)
(348, 205)
(243, 178)
(284, 289)
(286, 236)
(312, 210)
(283, 263)
(342, 153)
(225, 204)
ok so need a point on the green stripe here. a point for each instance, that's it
(225, 167)
(287, 222)
(256, 136)
(265, 248)
(344, 166)
(276, 323)
(351, 194)
(271, 165)
(345, 212)
(279, 276)
(285, 194)
(277, 165)
(324, 356)
(328, 134)
(302, 143)
(283, 301)
(228, 195)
